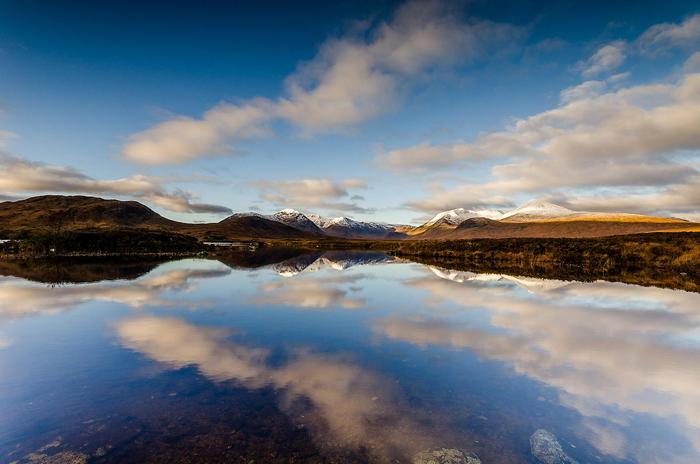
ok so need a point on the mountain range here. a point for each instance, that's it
(51, 213)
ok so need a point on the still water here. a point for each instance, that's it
(342, 357)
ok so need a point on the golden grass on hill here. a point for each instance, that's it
(592, 218)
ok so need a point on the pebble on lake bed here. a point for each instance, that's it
(64, 457)
(546, 448)
(446, 456)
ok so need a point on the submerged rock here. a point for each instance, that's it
(64, 457)
(546, 448)
(446, 456)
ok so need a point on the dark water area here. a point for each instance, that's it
(341, 357)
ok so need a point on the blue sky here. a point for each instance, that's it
(386, 111)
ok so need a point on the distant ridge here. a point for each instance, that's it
(538, 218)
(53, 213)
(345, 227)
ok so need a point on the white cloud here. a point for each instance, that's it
(20, 176)
(321, 193)
(630, 138)
(606, 59)
(667, 35)
(582, 91)
(692, 64)
(183, 139)
(351, 80)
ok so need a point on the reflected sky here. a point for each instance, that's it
(394, 358)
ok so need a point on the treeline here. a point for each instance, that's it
(672, 251)
(669, 260)
(80, 269)
(101, 242)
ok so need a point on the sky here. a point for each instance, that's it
(378, 110)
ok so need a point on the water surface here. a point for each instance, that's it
(340, 357)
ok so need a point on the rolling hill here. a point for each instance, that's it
(538, 218)
(57, 213)
(51, 214)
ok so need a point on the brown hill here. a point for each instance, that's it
(242, 227)
(76, 212)
(59, 213)
(51, 214)
(487, 228)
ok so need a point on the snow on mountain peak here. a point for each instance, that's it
(340, 221)
(539, 208)
(453, 216)
(296, 219)
(289, 211)
(458, 215)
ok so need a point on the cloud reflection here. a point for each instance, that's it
(349, 405)
(21, 298)
(311, 292)
(609, 349)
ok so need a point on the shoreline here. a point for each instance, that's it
(662, 260)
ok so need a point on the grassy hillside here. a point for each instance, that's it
(486, 228)
(57, 214)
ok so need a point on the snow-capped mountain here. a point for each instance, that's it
(459, 215)
(349, 228)
(537, 209)
(296, 219)
(344, 227)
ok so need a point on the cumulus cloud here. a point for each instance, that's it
(681, 199)
(633, 137)
(606, 59)
(321, 193)
(183, 139)
(352, 79)
(668, 35)
(18, 175)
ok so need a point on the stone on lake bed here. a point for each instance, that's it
(64, 457)
(546, 448)
(446, 456)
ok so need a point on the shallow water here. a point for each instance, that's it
(342, 357)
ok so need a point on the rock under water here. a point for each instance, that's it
(546, 448)
(446, 456)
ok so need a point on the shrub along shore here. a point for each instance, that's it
(667, 259)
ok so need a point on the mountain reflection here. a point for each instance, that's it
(617, 365)
(338, 260)
(609, 349)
